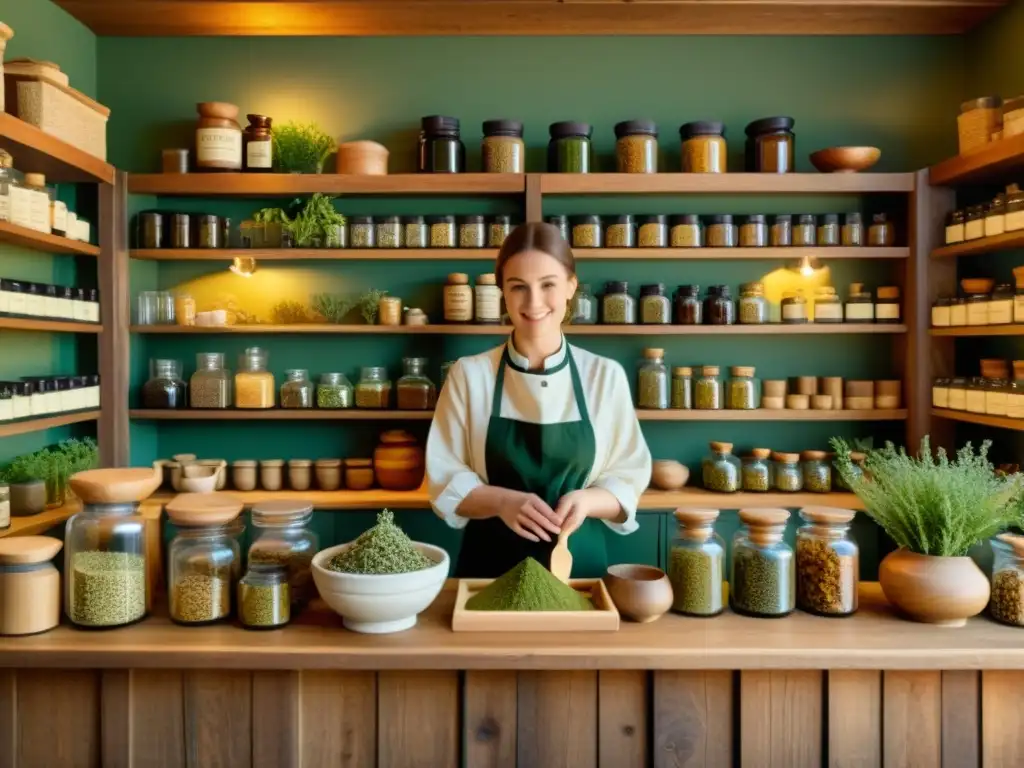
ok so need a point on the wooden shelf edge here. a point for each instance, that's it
(990, 163)
(61, 326)
(36, 150)
(782, 414)
(273, 184)
(725, 183)
(983, 245)
(979, 330)
(39, 241)
(1002, 422)
(41, 523)
(9, 429)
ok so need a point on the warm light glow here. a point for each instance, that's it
(805, 267)
(243, 266)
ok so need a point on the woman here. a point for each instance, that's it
(536, 438)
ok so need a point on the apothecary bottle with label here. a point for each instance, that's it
(827, 306)
(1000, 305)
(487, 299)
(39, 196)
(653, 380)
(9, 178)
(211, 384)
(254, 384)
(258, 144)
(297, 390)
(458, 299)
(794, 307)
(218, 137)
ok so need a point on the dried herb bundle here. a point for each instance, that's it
(385, 548)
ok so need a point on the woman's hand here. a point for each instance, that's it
(528, 515)
(577, 506)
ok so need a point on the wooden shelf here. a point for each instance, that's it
(274, 184)
(765, 414)
(62, 326)
(979, 330)
(983, 245)
(29, 238)
(41, 523)
(723, 183)
(1002, 422)
(24, 427)
(994, 163)
(773, 329)
(39, 152)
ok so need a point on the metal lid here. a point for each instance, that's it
(983, 102)
(503, 128)
(652, 289)
(688, 219)
(623, 218)
(770, 125)
(701, 128)
(567, 128)
(635, 127)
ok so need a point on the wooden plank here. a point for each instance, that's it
(43, 153)
(765, 414)
(489, 721)
(991, 164)
(912, 706)
(58, 718)
(339, 719)
(41, 523)
(979, 330)
(557, 719)
(693, 722)
(1002, 719)
(961, 718)
(983, 245)
(43, 242)
(418, 716)
(27, 426)
(1002, 422)
(781, 719)
(534, 198)
(116, 716)
(276, 735)
(622, 719)
(854, 719)
(218, 719)
(49, 326)
(273, 184)
(158, 718)
(8, 718)
(723, 183)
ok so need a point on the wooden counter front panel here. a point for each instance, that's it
(504, 719)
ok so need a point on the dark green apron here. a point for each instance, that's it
(549, 460)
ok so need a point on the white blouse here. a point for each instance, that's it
(455, 448)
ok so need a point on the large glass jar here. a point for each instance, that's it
(754, 231)
(297, 390)
(586, 231)
(105, 566)
(443, 233)
(472, 231)
(620, 231)
(652, 380)
(827, 562)
(416, 392)
(681, 395)
(652, 231)
(720, 470)
(771, 146)
(282, 537)
(719, 308)
(703, 147)
(707, 390)
(753, 309)
(569, 148)
(211, 384)
(414, 232)
(499, 227)
(636, 146)
(203, 563)
(503, 149)
(817, 471)
(696, 564)
(720, 231)
(165, 387)
(373, 390)
(617, 306)
(757, 471)
(388, 232)
(789, 477)
(334, 391)
(583, 310)
(440, 148)
(763, 568)
(362, 232)
(742, 389)
(264, 597)
(685, 231)
(1007, 603)
(655, 307)
(254, 384)
(689, 308)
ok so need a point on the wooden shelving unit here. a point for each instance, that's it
(43, 153)
(24, 427)
(981, 246)
(41, 523)
(280, 184)
(978, 330)
(767, 414)
(29, 238)
(60, 326)
(1002, 422)
(724, 183)
(994, 163)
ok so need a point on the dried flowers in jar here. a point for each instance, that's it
(652, 380)
(617, 306)
(655, 307)
(653, 231)
(682, 388)
(720, 470)
(827, 562)
(707, 390)
(636, 146)
(586, 231)
(620, 231)
(685, 231)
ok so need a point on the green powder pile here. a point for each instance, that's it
(528, 587)
(385, 548)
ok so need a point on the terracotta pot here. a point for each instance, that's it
(367, 158)
(358, 474)
(935, 590)
(28, 498)
(398, 461)
(328, 474)
(271, 474)
(243, 475)
(300, 475)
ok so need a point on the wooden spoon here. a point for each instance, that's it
(561, 559)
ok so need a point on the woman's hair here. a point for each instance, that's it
(535, 236)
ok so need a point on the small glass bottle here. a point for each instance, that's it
(721, 232)
(415, 392)
(655, 307)
(860, 308)
(586, 231)
(781, 234)
(828, 230)
(696, 564)
(211, 384)
(652, 380)
(362, 233)
(995, 216)
(297, 390)
(763, 577)
(827, 563)
(388, 232)
(707, 390)
(653, 231)
(742, 389)
(827, 306)
(472, 232)
(415, 232)
(443, 233)
(754, 231)
(881, 233)
(853, 230)
(373, 390)
(487, 300)
(757, 471)
(264, 597)
(617, 306)
(805, 231)
(282, 536)
(689, 308)
(500, 227)
(620, 231)
(334, 391)
(794, 307)
(955, 226)
(685, 231)
(753, 306)
(165, 387)
(887, 306)
(789, 478)
(254, 384)
(719, 308)
(562, 223)
(817, 471)
(203, 566)
(720, 470)
(583, 310)
(681, 396)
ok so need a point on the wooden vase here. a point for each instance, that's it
(398, 462)
(934, 590)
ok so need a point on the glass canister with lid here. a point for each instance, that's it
(682, 388)
(652, 231)
(794, 307)
(618, 307)
(334, 391)
(856, 471)
(685, 231)
(414, 232)
(757, 471)
(1007, 603)
(165, 387)
(703, 147)
(569, 147)
(655, 307)
(689, 308)
(283, 538)
(636, 146)
(817, 471)
(254, 384)
(720, 470)
(762, 582)
(472, 231)
(719, 308)
(389, 232)
(781, 232)
(583, 310)
(499, 228)
(586, 231)
(415, 391)
(620, 231)
(696, 567)
(743, 394)
(297, 390)
(771, 145)
(502, 148)
(211, 384)
(720, 231)
(264, 597)
(373, 390)
(827, 562)
(440, 146)
(443, 233)
(707, 390)
(805, 232)
(653, 380)
(828, 308)
(789, 477)
(753, 306)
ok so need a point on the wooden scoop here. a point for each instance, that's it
(561, 558)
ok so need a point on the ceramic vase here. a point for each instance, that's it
(936, 590)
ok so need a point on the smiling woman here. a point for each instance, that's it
(519, 452)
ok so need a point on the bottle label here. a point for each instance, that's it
(995, 403)
(1015, 406)
(258, 154)
(458, 303)
(940, 397)
(887, 311)
(958, 314)
(1000, 312)
(994, 225)
(488, 303)
(860, 312)
(977, 313)
(21, 206)
(955, 232)
(59, 216)
(5, 513)
(974, 229)
(222, 146)
(39, 212)
(794, 311)
(940, 316)
(5, 205)
(958, 399)
(828, 311)
(1018, 309)
(1014, 220)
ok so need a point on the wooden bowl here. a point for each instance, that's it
(977, 284)
(845, 159)
(116, 486)
(642, 593)
(669, 475)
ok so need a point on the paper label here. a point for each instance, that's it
(941, 316)
(5, 513)
(39, 212)
(995, 403)
(958, 314)
(958, 399)
(887, 311)
(940, 397)
(1000, 312)
(860, 312)
(258, 154)
(1015, 406)
(974, 229)
(21, 206)
(458, 303)
(219, 145)
(794, 311)
(975, 401)
(1014, 220)
(994, 225)
(1018, 309)
(977, 313)
(488, 303)
(955, 233)
(59, 216)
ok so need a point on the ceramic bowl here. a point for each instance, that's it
(845, 159)
(642, 593)
(380, 604)
(977, 284)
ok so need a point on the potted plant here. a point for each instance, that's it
(70, 456)
(935, 510)
(27, 477)
(301, 148)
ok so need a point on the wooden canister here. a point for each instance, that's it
(398, 461)
(358, 474)
(328, 474)
(833, 387)
(272, 474)
(821, 402)
(798, 402)
(977, 121)
(300, 475)
(29, 585)
(805, 385)
(860, 389)
(362, 158)
(888, 394)
(773, 403)
(774, 388)
(857, 403)
(389, 311)
(243, 475)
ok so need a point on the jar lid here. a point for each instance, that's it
(688, 290)
(755, 218)
(712, 370)
(701, 128)
(443, 218)
(827, 515)
(754, 288)
(700, 518)
(281, 510)
(889, 292)
(764, 516)
(622, 218)
(806, 218)
(761, 453)
(824, 292)
(689, 219)
(1013, 540)
(720, 218)
(742, 370)
(502, 218)
(388, 220)
(635, 127)
(769, 125)
(784, 218)
(653, 353)
(653, 218)
(567, 128)
(682, 370)
(585, 219)
(439, 124)
(718, 447)
(881, 218)
(558, 220)
(413, 220)
(28, 550)
(35, 179)
(813, 455)
(328, 463)
(983, 102)
(856, 287)
(458, 278)
(616, 286)
(360, 219)
(203, 509)
(503, 128)
(471, 219)
(652, 289)
(830, 218)
(488, 279)
(786, 458)
(853, 217)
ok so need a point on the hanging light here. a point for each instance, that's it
(243, 266)
(805, 267)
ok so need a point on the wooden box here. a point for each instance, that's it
(605, 617)
(58, 110)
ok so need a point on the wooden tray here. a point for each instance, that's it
(604, 619)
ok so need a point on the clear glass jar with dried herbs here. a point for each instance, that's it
(817, 471)
(655, 306)
(787, 474)
(373, 390)
(583, 310)
(652, 380)
(620, 231)
(742, 390)
(720, 470)
(618, 307)
(297, 391)
(757, 471)
(1007, 603)
(753, 306)
(334, 391)
(415, 391)
(686, 231)
(707, 390)
(211, 384)
(696, 564)
(827, 562)
(652, 231)
(282, 537)
(203, 563)
(763, 579)
(681, 396)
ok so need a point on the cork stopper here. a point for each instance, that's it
(488, 279)
(766, 525)
(856, 288)
(458, 278)
(857, 457)
(814, 455)
(761, 453)
(1014, 540)
(687, 371)
(742, 370)
(829, 515)
(721, 447)
(37, 180)
(696, 524)
(889, 292)
(786, 458)
(654, 353)
(711, 370)
(203, 509)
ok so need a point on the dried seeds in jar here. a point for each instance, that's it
(881, 232)
(472, 232)
(502, 148)
(586, 231)
(373, 390)
(757, 471)
(754, 231)
(719, 308)
(781, 234)
(742, 389)
(763, 572)
(652, 380)
(689, 308)
(805, 231)
(620, 231)
(389, 232)
(636, 146)
(617, 306)
(1007, 603)
(753, 306)
(415, 234)
(720, 470)
(362, 232)
(817, 472)
(653, 231)
(655, 307)
(442, 231)
(682, 388)
(334, 391)
(787, 473)
(696, 563)
(562, 223)
(707, 390)
(828, 230)
(703, 147)
(853, 230)
(685, 231)
(720, 231)
(500, 228)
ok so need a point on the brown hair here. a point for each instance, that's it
(535, 236)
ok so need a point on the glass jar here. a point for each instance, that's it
(487, 299)
(440, 147)
(719, 308)
(283, 538)
(569, 147)
(218, 137)
(857, 460)
(257, 144)
(617, 306)
(805, 233)
(703, 147)
(781, 234)
(297, 390)
(721, 232)
(210, 386)
(762, 582)
(686, 231)
(105, 566)
(653, 231)
(696, 564)
(757, 471)
(655, 307)
(828, 230)
(995, 216)
(373, 390)
(165, 387)
(958, 394)
(996, 397)
(458, 299)
(472, 232)
(502, 148)
(583, 310)
(707, 390)
(881, 233)
(334, 391)
(1007, 603)
(442, 231)
(853, 230)
(940, 393)
(817, 471)
(620, 231)
(860, 308)
(562, 223)
(636, 146)
(977, 308)
(753, 309)
(1000, 304)
(827, 306)
(586, 231)
(794, 307)
(827, 562)
(974, 222)
(652, 380)
(254, 384)
(754, 231)
(955, 227)
(415, 232)
(415, 391)
(742, 390)
(264, 597)
(887, 305)
(682, 388)
(388, 232)
(203, 566)
(720, 470)
(362, 233)
(500, 228)
(689, 308)
(771, 146)
(787, 473)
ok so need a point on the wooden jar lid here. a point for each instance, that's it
(271, 463)
(282, 508)
(827, 515)
(654, 353)
(300, 463)
(710, 370)
(358, 463)
(396, 437)
(203, 509)
(761, 453)
(328, 463)
(786, 458)
(696, 517)
(1014, 540)
(27, 550)
(721, 447)
(764, 517)
(813, 455)
(682, 370)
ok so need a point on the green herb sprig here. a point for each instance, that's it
(301, 148)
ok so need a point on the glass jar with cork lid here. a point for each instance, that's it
(720, 470)
(707, 390)
(416, 392)
(487, 304)
(653, 380)
(681, 396)
(458, 299)
(757, 471)
(763, 578)
(789, 477)
(257, 144)
(696, 567)
(827, 562)
(282, 537)
(817, 471)
(742, 389)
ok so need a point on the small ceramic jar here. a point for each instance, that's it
(299, 474)
(271, 474)
(243, 475)
(328, 474)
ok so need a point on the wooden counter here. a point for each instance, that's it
(678, 692)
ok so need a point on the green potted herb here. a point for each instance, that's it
(27, 477)
(301, 148)
(70, 456)
(935, 509)
(318, 224)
